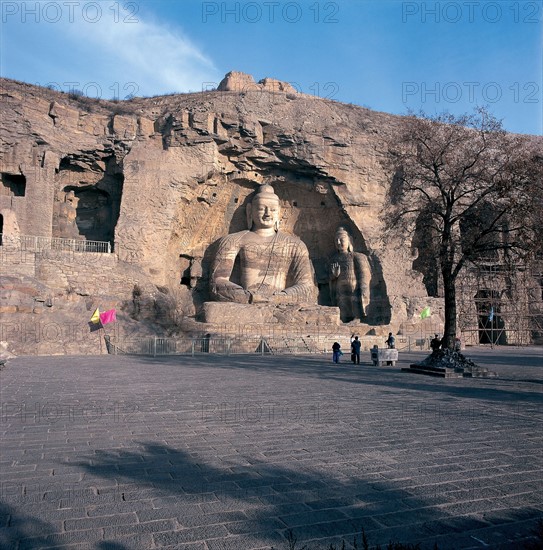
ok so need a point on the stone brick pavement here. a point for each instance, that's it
(217, 453)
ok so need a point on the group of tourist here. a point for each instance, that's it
(436, 344)
(355, 348)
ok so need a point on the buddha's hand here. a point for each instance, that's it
(335, 270)
(233, 293)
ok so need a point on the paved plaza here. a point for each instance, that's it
(232, 453)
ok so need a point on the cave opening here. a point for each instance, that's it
(89, 209)
(13, 185)
(93, 214)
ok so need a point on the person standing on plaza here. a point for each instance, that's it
(351, 340)
(336, 349)
(391, 344)
(435, 343)
(355, 350)
(390, 341)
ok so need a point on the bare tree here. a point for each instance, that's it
(465, 188)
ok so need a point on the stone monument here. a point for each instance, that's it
(67, 216)
(273, 267)
(262, 275)
(350, 276)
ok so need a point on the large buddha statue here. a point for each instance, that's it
(350, 276)
(273, 267)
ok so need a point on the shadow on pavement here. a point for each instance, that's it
(259, 502)
(25, 532)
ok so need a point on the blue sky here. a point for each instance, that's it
(387, 55)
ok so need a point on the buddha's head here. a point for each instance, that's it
(343, 240)
(263, 211)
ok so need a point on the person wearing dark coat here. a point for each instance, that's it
(355, 350)
(435, 343)
(336, 352)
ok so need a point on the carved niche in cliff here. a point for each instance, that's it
(89, 199)
(274, 267)
(350, 278)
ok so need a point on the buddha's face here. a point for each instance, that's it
(265, 212)
(342, 242)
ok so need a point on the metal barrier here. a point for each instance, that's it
(409, 343)
(261, 345)
(31, 243)
(158, 346)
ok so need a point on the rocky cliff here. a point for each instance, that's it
(161, 179)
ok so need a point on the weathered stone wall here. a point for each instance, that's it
(47, 299)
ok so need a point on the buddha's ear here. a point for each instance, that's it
(249, 213)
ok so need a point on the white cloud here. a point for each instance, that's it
(120, 48)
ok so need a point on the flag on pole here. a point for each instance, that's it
(108, 317)
(95, 317)
(425, 312)
(491, 314)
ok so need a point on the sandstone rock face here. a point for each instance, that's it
(161, 180)
(216, 313)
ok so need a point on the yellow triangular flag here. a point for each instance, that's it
(95, 317)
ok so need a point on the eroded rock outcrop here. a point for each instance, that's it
(236, 81)
(159, 180)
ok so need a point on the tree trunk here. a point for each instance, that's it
(449, 332)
